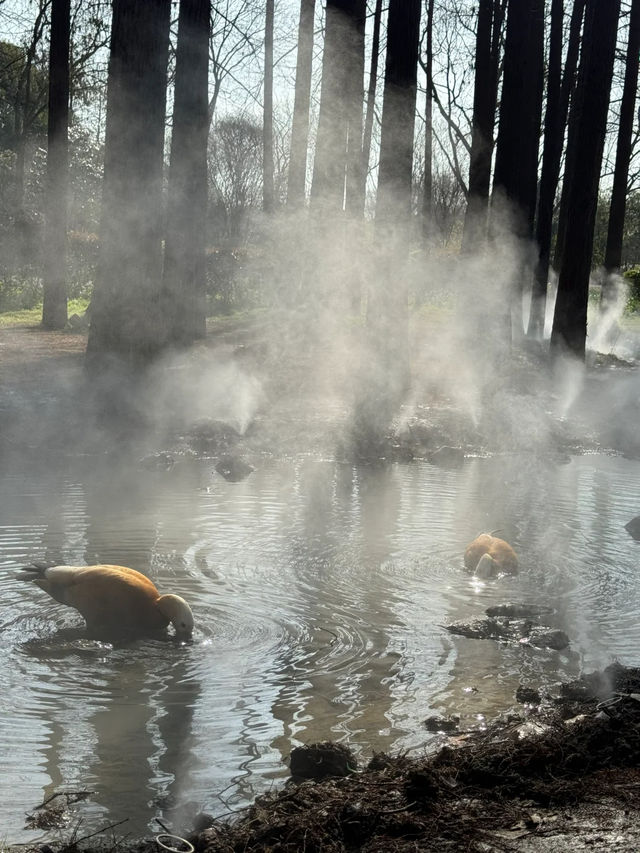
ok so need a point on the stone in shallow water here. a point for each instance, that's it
(233, 468)
(442, 724)
(633, 528)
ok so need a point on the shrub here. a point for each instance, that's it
(632, 280)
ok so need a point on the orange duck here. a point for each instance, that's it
(114, 601)
(487, 555)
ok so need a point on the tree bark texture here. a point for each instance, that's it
(54, 308)
(516, 167)
(587, 141)
(184, 274)
(568, 92)
(330, 163)
(427, 192)
(484, 117)
(398, 113)
(615, 231)
(267, 113)
(127, 324)
(300, 125)
(559, 88)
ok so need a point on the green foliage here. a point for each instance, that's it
(33, 316)
(23, 94)
(632, 279)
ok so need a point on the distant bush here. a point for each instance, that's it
(632, 280)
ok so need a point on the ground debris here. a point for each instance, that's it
(547, 788)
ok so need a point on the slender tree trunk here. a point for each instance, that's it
(184, 274)
(587, 139)
(354, 178)
(568, 97)
(330, 163)
(515, 178)
(484, 109)
(371, 99)
(300, 125)
(127, 325)
(54, 309)
(427, 193)
(393, 206)
(267, 127)
(615, 233)
(520, 113)
(398, 113)
(558, 93)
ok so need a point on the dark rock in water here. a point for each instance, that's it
(319, 760)
(519, 611)
(442, 724)
(447, 457)
(233, 468)
(633, 528)
(203, 821)
(158, 462)
(210, 436)
(547, 638)
(491, 629)
(528, 696)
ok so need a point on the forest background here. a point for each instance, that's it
(306, 156)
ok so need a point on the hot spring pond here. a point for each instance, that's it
(319, 590)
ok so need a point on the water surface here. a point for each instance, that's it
(319, 591)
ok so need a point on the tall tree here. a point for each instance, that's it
(398, 112)
(371, 99)
(330, 162)
(393, 203)
(515, 177)
(355, 101)
(300, 124)
(184, 274)
(427, 193)
(484, 115)
(559, 87)
(586, 138)
(571, 81)
(385, 376)
(54, 309)
(267, 107)
(126, 318)
(617, 209)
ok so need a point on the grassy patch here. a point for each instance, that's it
(33, 316)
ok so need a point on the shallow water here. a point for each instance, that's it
(319, 591)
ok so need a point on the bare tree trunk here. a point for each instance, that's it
(127, 325)
(184, 273)
(568, 97)
(393, 207)
(371, 98)
(615, 232)
(484, 116)
(54, 309)
(267, 127)
(587, 139)
(300, 125)
(354, 177)
(516, 169)
(554, 125)
(330, 163)
(427, 193)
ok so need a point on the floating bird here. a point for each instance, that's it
(487, 555)
(114, 601)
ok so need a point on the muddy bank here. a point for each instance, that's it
(561, 773)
